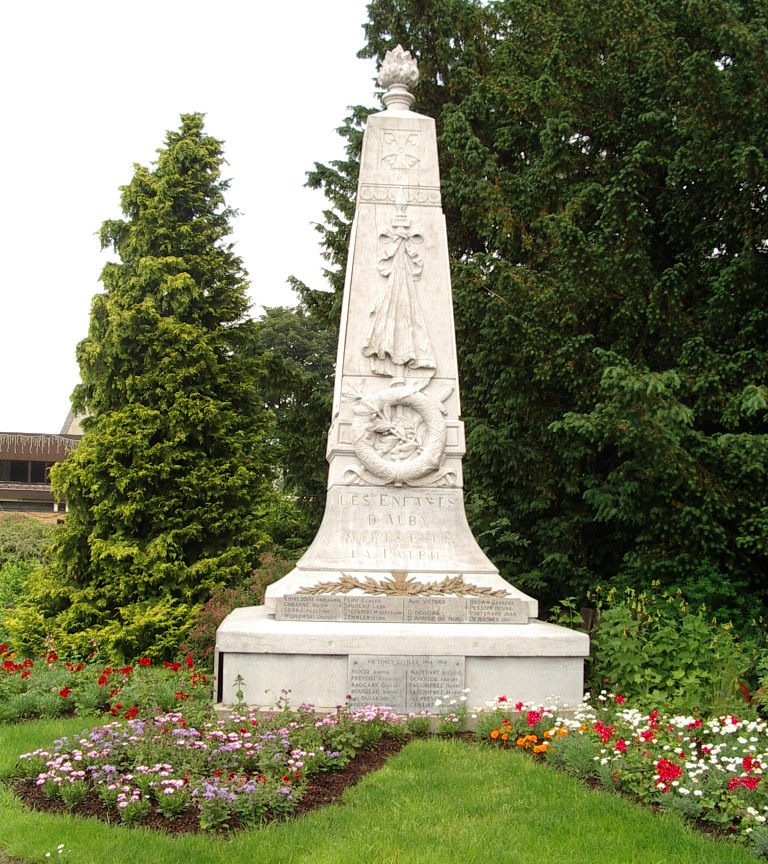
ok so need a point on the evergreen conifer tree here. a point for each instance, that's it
(168, 489)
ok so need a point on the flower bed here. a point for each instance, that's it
(247, 770)
(709, 770)
(51, 687)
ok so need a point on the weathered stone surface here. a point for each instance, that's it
(404, 683)
(413, 610)
(395, 579)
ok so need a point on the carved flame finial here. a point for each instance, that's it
(398, 74)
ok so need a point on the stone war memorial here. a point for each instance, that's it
(394, 603)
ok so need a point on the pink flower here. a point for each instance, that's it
(533, 718)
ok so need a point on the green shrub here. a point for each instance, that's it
(654, 648)
(201, 639)
(14, 575)
(23, 539)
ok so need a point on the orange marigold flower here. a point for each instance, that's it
(505, 736)
(562, 732)
(541, 748)
(495, 734)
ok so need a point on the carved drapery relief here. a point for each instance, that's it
(398, 340)
(399, 432)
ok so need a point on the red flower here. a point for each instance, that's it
(174, 667)
(604, 731)
(533, 718)
(180, 694)
(503, 699)
(131, 713)
(749, 763)
(103, 680)
(620, 700)
(621, 745)
(668, 770)
(750, 782)
(145, 661)
(52, 657)
(26, 673)
(126, 670)
(189, 661)
(115, 708)
(64, 692)
(648, 735)
(3, 647)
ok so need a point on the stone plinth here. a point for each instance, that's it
(315, 660)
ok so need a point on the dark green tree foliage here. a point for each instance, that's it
(299, 353)
(168, 488)
(604, 178)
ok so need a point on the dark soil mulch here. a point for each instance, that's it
(324, 789)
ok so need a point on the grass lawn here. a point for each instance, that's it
(436, 801)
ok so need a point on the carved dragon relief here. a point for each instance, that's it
(399, 432)
(400, 585)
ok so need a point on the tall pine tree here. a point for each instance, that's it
(604, 178)
(168, 488)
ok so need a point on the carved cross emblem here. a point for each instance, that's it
(400, 149)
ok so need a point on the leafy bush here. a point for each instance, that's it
(23, 539)
(201, 639)
(653, 647)
(14, 574)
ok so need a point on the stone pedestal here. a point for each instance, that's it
(394, 603)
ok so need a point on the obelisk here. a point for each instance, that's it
(395, 600)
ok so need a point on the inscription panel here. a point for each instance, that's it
(306, 607)
(435, 610)
(496, 610)
(404, 683)
(404, 529)
(360, 608)
(409, 610)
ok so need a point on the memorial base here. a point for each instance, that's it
(404, 666)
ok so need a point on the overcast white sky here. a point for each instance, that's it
(90, 87)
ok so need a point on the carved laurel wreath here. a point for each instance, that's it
(399, 585)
